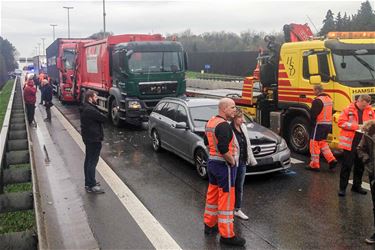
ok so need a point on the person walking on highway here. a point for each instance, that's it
(92, 135)
(29, 95)
(321, 117)
(350, 120)
(221, 168)
(47, 95)
(244, 157)
(366, 152)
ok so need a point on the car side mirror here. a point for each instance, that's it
(313, 64)
(181, 125)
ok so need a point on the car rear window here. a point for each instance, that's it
(200, 115)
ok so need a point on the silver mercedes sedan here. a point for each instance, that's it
(177, 125)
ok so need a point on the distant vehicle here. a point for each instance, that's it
(177, 125)
(18, 72)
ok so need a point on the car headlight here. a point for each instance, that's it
(282, 146)
(134, 105)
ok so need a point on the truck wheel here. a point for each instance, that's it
(59, 96)
(298, 136)
(156, 143)
(200, 159)
(115, 116)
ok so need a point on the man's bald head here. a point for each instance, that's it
(227, 108)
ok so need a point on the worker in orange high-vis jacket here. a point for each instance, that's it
(321, 118)
(221, 168)
(350, 122)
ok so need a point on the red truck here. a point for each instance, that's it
(61, 56)
(131, 73)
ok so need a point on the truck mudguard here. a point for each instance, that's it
(116, 93)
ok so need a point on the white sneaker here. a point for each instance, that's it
(240, 214)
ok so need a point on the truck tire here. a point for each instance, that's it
(200, 160)
(298, 136)
(59, 96)
(115, 116)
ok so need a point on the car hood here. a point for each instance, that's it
(257, 133)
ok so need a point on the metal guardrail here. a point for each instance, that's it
(221, 78)
(15, 148)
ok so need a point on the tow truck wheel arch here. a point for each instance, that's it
(297, 120)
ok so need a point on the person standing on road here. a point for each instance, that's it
(221, 168)
(366, 152)
(321, 117)
(29, 95)
(47, 95)
(92, 135)
(350, 120)
(243, 158)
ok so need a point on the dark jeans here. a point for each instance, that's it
(91, 160)
(348, 159)
(240, 180)
(48, 111)
(372, 187)
(30, 111)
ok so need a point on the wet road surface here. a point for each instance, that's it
(297, 209)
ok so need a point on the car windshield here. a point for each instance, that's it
(201, 115)
(69, 58)
(145, 62)
(355, 68)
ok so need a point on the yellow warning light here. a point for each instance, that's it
(351, 35)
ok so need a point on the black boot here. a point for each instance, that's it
(234, 241)
(210, 230)
(371, 240)
(333, 164)
(359, 190)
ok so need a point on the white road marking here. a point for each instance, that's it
(296, 161)
(365, 185)
(154, 231)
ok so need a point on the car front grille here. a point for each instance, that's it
(152, 88)
(261, 150)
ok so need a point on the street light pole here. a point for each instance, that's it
(104, 14)
(43, 45)
(39, 49)
(68, 8)
(53, 30)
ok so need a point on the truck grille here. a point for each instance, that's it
(261, 150)
(152, 88)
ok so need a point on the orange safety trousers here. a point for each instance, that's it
(317, 147)
(220, 197)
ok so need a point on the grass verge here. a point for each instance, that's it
(4, 99)
(18, 187)
(17, 221)
(195, 75)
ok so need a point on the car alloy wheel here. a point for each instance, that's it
(156, 143)
(200, 159)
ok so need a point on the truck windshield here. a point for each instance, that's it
(69, 58)
(146, 62)
(355, 68)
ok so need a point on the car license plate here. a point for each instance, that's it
(265, 161)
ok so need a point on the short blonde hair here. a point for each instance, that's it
(239, 112)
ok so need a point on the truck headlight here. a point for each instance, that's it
(282, 146)
(134, 105)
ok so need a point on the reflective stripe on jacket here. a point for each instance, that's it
(325, 116)
(348, 122)
(212, 140)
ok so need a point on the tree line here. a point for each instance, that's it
(364, 20)
(7, 59)
(249, 40)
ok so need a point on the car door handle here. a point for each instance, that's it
(302, 96)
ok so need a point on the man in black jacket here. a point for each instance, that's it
(47, 95)
(92, 134)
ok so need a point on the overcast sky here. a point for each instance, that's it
(24, 23)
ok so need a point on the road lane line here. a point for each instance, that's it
(365, 185)
(154, 231)
(296, 161)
